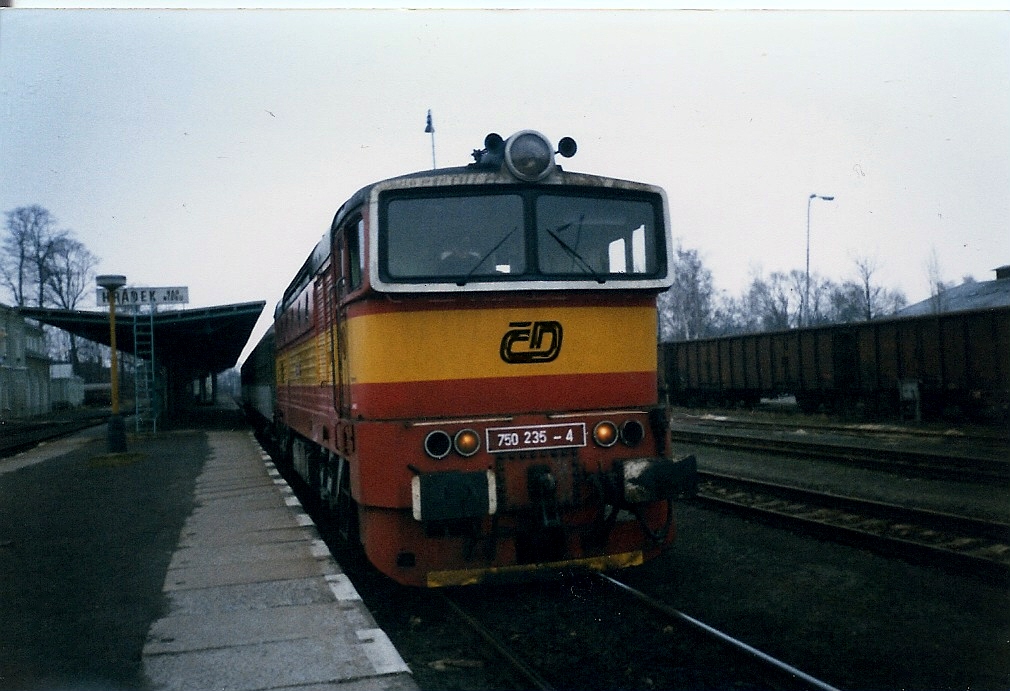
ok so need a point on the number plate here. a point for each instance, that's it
(504, 439)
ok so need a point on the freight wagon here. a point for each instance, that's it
(955, 362)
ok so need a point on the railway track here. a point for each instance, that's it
(521, 669)
(760, 670)
(975, 436)
(576, 633)
(969, 545)
(562, 632)
(739, 646)
(909, 461)
(19, 436)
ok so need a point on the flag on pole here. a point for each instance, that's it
(429, 128)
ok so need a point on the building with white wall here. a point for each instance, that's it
(24, 366)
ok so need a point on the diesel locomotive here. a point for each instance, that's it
(465, 370)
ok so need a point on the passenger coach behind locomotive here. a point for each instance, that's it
(466, 369)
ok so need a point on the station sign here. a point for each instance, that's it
(145, 296)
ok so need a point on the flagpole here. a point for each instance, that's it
(430, 129)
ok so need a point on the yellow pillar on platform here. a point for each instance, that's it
(117, 426)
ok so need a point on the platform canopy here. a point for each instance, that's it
(189, 343)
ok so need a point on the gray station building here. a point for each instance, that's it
(24, 367)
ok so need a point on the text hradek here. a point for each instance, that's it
(145, 296)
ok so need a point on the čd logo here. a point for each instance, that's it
(528, 342)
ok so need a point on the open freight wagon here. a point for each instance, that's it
(948, 363)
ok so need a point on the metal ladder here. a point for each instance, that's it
(145, 380)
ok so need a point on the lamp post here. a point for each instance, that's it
(117, 426)
(804, 312)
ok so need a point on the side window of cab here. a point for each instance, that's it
(350, 242)
(355, 252)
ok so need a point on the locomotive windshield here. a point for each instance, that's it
(460, 237)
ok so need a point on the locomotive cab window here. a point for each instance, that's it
(577, 236)
(520, 235)
(350, 244)
(355, 253)
(443, 237)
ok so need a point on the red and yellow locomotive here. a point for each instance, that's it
(465, 369)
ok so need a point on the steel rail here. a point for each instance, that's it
(959, 546)
(986, 436)
(20, 437)
(926, 462)
(715, 633)
(524, 669)
(935, 519)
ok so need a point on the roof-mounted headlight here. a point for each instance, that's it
(529, 155)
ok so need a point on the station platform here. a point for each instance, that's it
(211, 575)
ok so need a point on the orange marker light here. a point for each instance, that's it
(467, 442)
(605, 433)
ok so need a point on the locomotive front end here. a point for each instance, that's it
(501, 367)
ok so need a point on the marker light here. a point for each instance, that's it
(467, 442)
(529, 155)
(632, 432)
(437, 444)
(567, 147)
(605, 433)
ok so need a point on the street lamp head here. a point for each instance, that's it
(111, 281)
(828, 199)
(821, 196)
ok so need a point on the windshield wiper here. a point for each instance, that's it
(483, 259)
(573, 252)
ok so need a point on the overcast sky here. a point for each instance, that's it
(211, 148)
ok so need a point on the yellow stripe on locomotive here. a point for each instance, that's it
(500, 343)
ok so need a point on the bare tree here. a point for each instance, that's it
(72, 273)
(774, 303)
(692, 308)
(869, 293)
(26, 265)
(937, 285)
(820, 309)
(15, 264)
(860, 299)
(45, 265)
(686, 309)
(72, 269)
(847, 303)
(818, 294)
(727, 315)
(891, 302)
